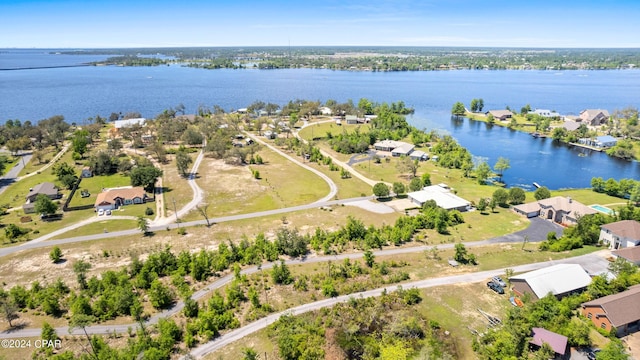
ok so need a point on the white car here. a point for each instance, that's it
(108, 212)
(100, 212)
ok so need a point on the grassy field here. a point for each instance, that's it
(175, 187)
(95, 184)
(231, 189)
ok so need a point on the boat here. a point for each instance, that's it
(536, 185)
(535, 135)
(515, 301)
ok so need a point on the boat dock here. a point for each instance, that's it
(587, 147)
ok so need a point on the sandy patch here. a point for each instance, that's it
(372, 207)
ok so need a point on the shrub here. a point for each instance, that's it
(148, 211)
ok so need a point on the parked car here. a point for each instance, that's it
(498, 280)
(591, 354)
(100, 212)
(108, 212)
(495, 287)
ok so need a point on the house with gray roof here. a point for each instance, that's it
(558, 280)
(605, 141)
(442, 195)
(45, 188)
(631, 254)
(620, 234)
(618, 311)
(501, 115)
(594, 117)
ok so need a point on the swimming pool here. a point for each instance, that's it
(602, 209)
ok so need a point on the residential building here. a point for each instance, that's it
(571, 125)
(403, 150)
(631, 254)
(594, 117)
(442, 195)
(351, 119)
(620, 311)
(119, 124)
(558, 280)
(114, 198)
(621, 234)
(387, 145)
(45, 188)
(557, 342)
(546, 113)
(86, 172)
(560, 209)
(605, 141)
(500, 115)
(419, 155)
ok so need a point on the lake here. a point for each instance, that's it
(82, 92)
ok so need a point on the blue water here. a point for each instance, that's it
(82, 92)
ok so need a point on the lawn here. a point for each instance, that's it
(95, 184)
(232, 189)
(175, 187)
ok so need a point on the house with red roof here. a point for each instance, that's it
(557, 342)
(114, 198)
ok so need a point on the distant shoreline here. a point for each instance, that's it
(46, 67)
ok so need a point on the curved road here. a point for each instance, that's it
(332, 185)
(591, 262)
(260, 324)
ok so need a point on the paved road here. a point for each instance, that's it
(12, 175)
(40, 244)
(590, 262)
(257, 325)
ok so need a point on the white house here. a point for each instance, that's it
(403, 150)
(558, 280)
(546, 113)
(114, 198)
(442, 195)
(119, 124)
(621, 234)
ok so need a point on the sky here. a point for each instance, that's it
(185, 23)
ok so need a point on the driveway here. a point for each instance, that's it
(537, 231)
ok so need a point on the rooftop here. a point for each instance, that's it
(557, 342)
(629, 229)
(621, 308)
(631, 254)
(557, 279)
(441, 195)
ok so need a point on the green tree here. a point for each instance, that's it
(55, 255)
(80, 268)
(474, 105)
(145, 176)
(458, 109)
(160, 295)
(501, 165)
(490, 119)
(44, 205)
(80, 141)
(369, 258)
(381, 190)
(398, 188)
(501, 196)
(517, 195)
(69, 181)
(482, 205)
(406, 165)
(614, 350)
(415, 184)
(250, 354)
(48, 332)
(482, 172)
(542, 193)
(183, 161)
(461, 253)
(82, 321)
(8, 308)
(143, 224)
(426, 179)
(281, 274)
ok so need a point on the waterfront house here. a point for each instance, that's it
(618, 311)
(545, 113)
(419, 155)
(386, 145)
(559, 343)
(403, 149)
(442, 195)
(500, 115)
(325, 110)
(594, 117)
(605, 141)
(119, 124)
(560, 209)
(558, 280)
(620, 234)
(571, 125)
(114, 198)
